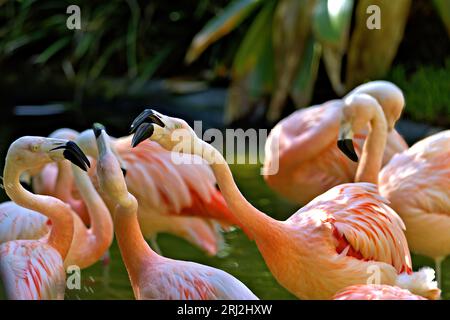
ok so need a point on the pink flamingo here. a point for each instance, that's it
(58, 180)
(375, 292)
(303, 145)
(329, 244)
(184, 205)
(153, 276)
(33, 269)
(416, 182)
(89, 243)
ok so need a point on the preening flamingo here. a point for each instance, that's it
(303, 145)
(417, 184)
(189, 190)
(375, 292)
(153, 276)
(333, 242)
(33, 269)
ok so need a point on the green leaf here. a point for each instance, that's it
(443, 8)
(303, 85)
(253, 67)
(331, 25)
(371, 51)
(52, 50)
(220, 25)
(255, 41)
(291, 28)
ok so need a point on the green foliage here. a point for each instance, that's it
(117, 37)
(302, 32)
(426, 92)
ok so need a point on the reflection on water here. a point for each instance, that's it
(240, 257)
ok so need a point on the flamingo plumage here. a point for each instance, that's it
(375, 292)
(301, 157)
(33, 269)
(188, 204)
(417, 184)
(153, 276)
(19, 223)
(327, 245)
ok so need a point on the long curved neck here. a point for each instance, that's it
(255, 221)
(100, 218)
(58, 212)
(135, 251)
(372, 154)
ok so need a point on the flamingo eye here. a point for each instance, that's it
(34, 147)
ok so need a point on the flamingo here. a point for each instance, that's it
(33, 269)
(184, 205)
(303, 145)
(57, 180)
(153, 276)
(331, 243)
(89, 243)
(375, 292)
(416, 182)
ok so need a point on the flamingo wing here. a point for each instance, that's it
(31, 270)
(375, 292)
(183, 280)
(17, 223)
(177, 189)
(419, 178)
(363, 224)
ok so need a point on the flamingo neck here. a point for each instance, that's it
(372, 154)
(256, 222)
(101, 225)
(63, 186)
(58, 212)
(135, 251)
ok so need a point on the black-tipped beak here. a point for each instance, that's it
(74, 154)
(97, 128)
(143, 132)
(146, 116)
(346, 146)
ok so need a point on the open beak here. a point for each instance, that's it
(345, 142)
(74, 154)
(142, 126)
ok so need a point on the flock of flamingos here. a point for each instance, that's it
(369, 201)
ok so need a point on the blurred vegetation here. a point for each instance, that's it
(427, 93)
(118, 38)
(280, 53)
(273, 55)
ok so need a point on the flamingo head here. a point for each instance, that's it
(109, 173)
(87, 142)
(31, 152)
(357, 111)
(172, 134)
(389, 96)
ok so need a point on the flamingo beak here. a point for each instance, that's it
(345, 142)
(143, 132)
(74, 154)
(146, 116)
